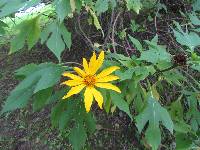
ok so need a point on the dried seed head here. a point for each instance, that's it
(180, 59)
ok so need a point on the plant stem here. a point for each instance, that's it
(158, 72)
(113, 31)
(66, 63)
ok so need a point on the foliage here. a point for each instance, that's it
(144, 73)
(154, 113)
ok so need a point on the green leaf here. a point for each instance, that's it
(40, 98)
(66, 115)
(193, 113)
(57, 96)
(154, 91)
(77, 136)
(34, 32)
(95, 20)
(18, 42)
(73, 5)
(90, 123)
(196, 5)
(78, 5)
(134, 26)
(59, 37)
(63, 119)
(136, 5)
(160, 6)
(174, 77)
(161, 65)
(9, 7)
(26, 70)
(118, 100)
(176, 110)
(72, 114)
(136, 43)
(137, 73)
(195, 62)
(17, 99)
(63, 112)
(66, 35)
(156, 53)
(101, 6)
(118, 56)
(189, 39)
(113, 3)
(2, 27)
(55, 43)
(124, 75)
(63, 9)
(125, 61)
(196, 67)
(107, 100)
(154, 113)
(31, 34)
(143, 71)
(183, 142)
(44, 76)
(56, 112)
(182, 127)
(194, 19)
(153, 136)
(139, 97)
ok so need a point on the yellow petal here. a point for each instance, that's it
(79, 71)
(98, 97)
(71, 82)
(92, 60)
(92, 64)
(108, 86)
(85, 65)
(107, 71)
(99, 62)
(108, 78)
(72, 76)
(88, 98)
(74, 90)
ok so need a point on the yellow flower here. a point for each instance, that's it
(88, 79)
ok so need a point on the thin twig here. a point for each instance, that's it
(113, 31)
(109, 28)
(129, 47)
(66, 63)
(155, 21)
(52, 17)
(158, 72)
(191, 77)
(176, 45)
(12, 20)
(83, 33)
(117, 44)
(4, 58)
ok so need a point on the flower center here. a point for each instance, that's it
(89, 80)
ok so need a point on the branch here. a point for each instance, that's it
(113, 31)
(109, 28)
(83, 33)
(158, 72)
